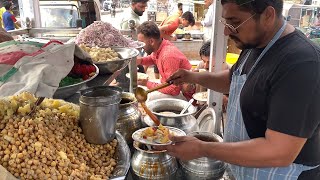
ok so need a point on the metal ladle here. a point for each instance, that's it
(142, 96)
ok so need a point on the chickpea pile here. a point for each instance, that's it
(100, 54)
(49, 144)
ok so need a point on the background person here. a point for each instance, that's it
(204, 66)
(9, 20)
(207, 22)
(165, 55)
(273, 124)
(171, 23)
(137, 9)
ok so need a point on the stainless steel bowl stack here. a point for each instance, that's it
(203, 168)
(126, 55)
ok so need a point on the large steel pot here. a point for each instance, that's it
(203, 168)
(129, 116)
(186, 122)
(151, 164)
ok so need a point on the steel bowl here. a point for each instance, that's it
(67, 91)
(126, 55)
(195, 34)
(140, 46)
(179, 36)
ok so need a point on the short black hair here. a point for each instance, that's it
(149, 29)
(205, 49)
(7, 5)
(180, 6)
(189, 17)
(138, 1)
(257, 6)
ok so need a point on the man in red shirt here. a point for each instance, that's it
(171, 23)
(165, 55)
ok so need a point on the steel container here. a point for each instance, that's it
(186, 122)
(99, 110)
(151, 164)
(126, 55)
(179, 36)
(196, 34)
(129, 116)
(203, 168)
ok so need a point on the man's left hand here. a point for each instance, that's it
(142, 82)
(184, 147)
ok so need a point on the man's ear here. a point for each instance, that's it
(152, 41)
(268, 17)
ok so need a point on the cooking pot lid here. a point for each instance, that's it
(207, 120)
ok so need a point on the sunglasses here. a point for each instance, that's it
(231, 28)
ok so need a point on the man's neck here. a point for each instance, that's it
(157, 45)
(288, 29)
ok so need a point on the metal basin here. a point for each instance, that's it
(67, 91)
(122, 157)
(126, 54)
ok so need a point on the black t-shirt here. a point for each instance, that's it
(283, 94)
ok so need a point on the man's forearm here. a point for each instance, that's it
(275, 151)
(219, 82)
(251, 153)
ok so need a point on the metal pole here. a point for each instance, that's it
(218, 50)
(133, 64)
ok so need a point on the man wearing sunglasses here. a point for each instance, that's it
(273, 126)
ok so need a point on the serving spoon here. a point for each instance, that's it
(142, 96)
(187, 106)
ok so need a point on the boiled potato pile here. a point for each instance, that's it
(100, 54)
(49, 144)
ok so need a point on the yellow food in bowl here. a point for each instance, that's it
(158, 134)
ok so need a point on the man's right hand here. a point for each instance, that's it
(181, 76)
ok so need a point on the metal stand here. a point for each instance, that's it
(133, 64)
(218, 50)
